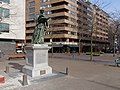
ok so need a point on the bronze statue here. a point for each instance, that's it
(41, 25)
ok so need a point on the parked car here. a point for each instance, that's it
(18, 50)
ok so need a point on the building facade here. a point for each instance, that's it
(69, 23)
(12, 24)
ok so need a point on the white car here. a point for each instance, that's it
(19, 50)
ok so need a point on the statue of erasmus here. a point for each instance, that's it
(40, 26)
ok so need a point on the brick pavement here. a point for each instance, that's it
(103, 58)
(83, 74)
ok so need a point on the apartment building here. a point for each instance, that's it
(69, 23)
(12, 24)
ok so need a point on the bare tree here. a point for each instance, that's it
(96, 6)
(114, 28)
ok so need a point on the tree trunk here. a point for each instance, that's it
(114, 46)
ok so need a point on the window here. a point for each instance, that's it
(31, 15)
(44, 0)
(72, 19)
(72, 6)
(30, 22)
(32, 9)
(4, 27)
(46, 6)
(4, 12)
(73, 13)
(32, 3)
(74, 1)
(5, 1)
(48, 12)
(30, 28)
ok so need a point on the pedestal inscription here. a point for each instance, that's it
(42, 72)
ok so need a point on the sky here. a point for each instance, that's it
(109, 5)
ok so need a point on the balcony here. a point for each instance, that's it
(28, 37)
(60, 7)
(61, 36)
(63, 21)
(29, 31)
(57, 1)
(62, 28)
(30, 25)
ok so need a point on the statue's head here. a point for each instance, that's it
(41, 10)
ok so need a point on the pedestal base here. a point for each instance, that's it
(37, 71)
(37, 62)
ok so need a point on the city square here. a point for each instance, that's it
(59, 45)
(83, 74)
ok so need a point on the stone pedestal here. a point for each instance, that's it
(37, 60)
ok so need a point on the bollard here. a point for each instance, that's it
(66, 71)
(2, 79)
(7, 69)
(25, 81)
